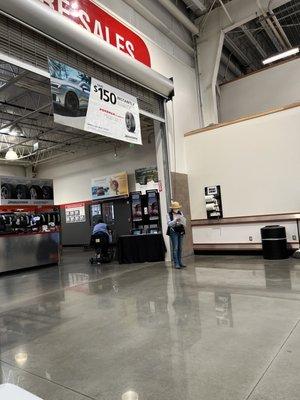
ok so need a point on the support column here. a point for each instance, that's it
(164, 177)
(209, 50)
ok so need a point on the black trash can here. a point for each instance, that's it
(274, 242)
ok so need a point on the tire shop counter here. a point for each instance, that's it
(141, 248)
(25, 250)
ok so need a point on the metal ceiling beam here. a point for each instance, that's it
(13, 80)
(278, 25)
(269, 32)
(255, 43)
(25, 116)
(230, 65)
(182, 18)
(273, 29)
(199, 4)
(238, 51)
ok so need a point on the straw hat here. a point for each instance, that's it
(175, 205)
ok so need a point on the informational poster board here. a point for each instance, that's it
(110, 186)
(26, 191)
(86, 103)
(153, 205)
(75, 213)
(136, 206)
(146, 179)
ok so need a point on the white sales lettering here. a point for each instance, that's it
(61, 7)
(120, 42)
(130, 48)
(98, 28)
(107, 34)
(84, 19)
(49, 3)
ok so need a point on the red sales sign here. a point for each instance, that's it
(97, 21)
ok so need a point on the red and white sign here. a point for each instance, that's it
(75, 213)
(97, 21)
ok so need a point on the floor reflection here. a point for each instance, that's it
(146, 332)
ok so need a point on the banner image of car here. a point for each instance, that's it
(110, 186)
(86, 103)
(25, 191)
(70, 91)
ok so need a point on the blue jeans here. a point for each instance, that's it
(176, 239)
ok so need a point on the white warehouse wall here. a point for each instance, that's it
(256, 162)
(262, 91)
(72, 180)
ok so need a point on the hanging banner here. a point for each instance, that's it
(75, 213)
(86, 103)
(26, 191)
(110, 186)
(146, 179)
(98, 22)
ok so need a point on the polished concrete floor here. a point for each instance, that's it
(226, 328)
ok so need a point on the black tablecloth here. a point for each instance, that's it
(141, 248)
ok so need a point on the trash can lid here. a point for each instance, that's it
(273, 232)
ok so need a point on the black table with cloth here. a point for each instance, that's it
(141, 248)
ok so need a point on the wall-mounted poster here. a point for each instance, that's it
(86, 103)
(75, 213)
(26, 191)
(110, 186)
(146, 179)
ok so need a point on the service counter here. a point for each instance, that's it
(25, 250)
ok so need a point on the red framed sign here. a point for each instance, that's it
(98, 22)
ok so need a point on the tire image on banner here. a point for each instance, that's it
(113, 113)
(86, 103)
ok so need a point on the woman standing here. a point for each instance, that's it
(176, 231)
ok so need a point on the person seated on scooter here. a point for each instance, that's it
(101, 230)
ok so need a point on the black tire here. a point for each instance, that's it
(47, 192)
(35, 192)
(22, 192)
(7, 191)
(130, 122)
(72, 104)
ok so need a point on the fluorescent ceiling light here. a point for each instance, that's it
(280, 56)
(11, 155)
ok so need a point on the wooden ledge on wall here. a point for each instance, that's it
(247, 219)
(243, 119)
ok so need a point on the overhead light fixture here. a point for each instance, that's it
(115, 151)
(11, 155)
(35, 146)
(280, 56)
